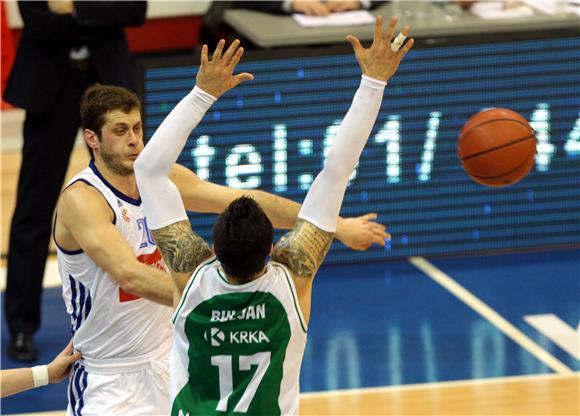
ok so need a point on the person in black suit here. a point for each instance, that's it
(65, 47)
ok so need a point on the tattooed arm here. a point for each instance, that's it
(302, 250)
(183, 251)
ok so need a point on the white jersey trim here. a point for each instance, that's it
(188, 286)
(292, 287)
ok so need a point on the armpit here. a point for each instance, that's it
(303, 249)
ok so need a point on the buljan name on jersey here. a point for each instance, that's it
(252, 312)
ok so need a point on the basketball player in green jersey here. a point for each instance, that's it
(240, 320)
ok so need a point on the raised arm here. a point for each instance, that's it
(304, 248)
(182, 249)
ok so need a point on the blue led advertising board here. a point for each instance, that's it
(273, 134)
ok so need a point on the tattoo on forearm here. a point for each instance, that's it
(303, 249)
(182, 249)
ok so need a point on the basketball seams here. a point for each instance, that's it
(493, 120)
(493, 149)
(527, 160)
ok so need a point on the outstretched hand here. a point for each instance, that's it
(359, 233)
(380, 61)
(216, 76)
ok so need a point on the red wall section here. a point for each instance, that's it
(7, 50)
(165, 34)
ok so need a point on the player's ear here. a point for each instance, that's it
(91, 139)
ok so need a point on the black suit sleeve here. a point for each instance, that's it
(274, 7)
(110, 13)
(375, 4)
(40, 24)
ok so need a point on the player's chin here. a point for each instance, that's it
(129, 165)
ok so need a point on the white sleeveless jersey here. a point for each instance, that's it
(107, 322)
(237, 348)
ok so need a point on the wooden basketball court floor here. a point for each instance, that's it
(494, 335)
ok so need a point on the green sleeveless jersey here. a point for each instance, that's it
(237, 349)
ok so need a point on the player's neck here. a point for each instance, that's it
(234, 281)
(123, 183)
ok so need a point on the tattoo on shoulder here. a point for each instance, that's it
(182, 249)
(303, 249)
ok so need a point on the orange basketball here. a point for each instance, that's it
(497, 147)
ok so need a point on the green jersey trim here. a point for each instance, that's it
(298, 311)
(222, 276)
(189, 284)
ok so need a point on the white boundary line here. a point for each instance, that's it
(492, 316)
(439, 385)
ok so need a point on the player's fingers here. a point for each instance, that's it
(236, 58)
(406, 48)
(390, 30)
(364, 247)
(379, 236)
(356, 45)
(378, 30)
(244, 76)
(204, 58)
(74, 357)
(377, 239)
(233, 48)
(67, 350)
(377, 228)
(217, 54)
(371, 216)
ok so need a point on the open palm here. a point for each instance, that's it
(216, 76)
(380, 61)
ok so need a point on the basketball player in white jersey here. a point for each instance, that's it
(240, 323)
(114, 280)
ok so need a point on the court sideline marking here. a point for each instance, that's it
(492, 316)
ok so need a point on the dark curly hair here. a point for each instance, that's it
(242, 238)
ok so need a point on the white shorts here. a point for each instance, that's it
(141, 392)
